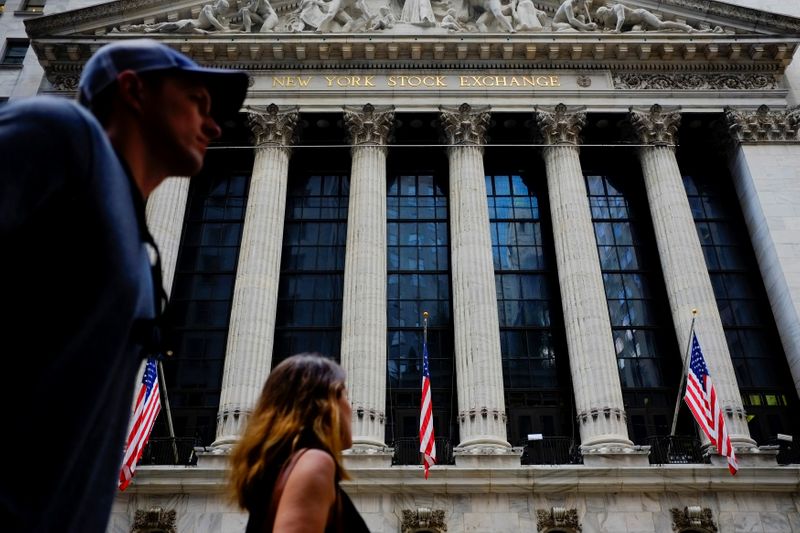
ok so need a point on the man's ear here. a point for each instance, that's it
(130, 89)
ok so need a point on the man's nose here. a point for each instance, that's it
(211, 129)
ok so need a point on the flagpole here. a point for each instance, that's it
(163, 384)
(425, 316)
(683, 377)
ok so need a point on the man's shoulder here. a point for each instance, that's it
(52, 115)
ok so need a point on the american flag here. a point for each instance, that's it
(701, 397)
(148, 405)
(427, 445)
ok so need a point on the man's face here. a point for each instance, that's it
(178, 123)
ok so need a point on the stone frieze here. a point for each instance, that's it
(694, 81)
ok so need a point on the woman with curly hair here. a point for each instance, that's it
(285, 470)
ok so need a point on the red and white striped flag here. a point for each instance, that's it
(148, 405)
(701, 397)
(427, 444)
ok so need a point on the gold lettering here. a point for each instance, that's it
(555, 81)
(391, 82)
(514, 82)
(476, 81)
(330, 80)
(304, 82)
(464, 81)
(279, 81)
(368, 81)
(528, 80)
(501, 81)
(290, 81)
(427, 81)
(414, 81)
(542, 81)
(440, 81)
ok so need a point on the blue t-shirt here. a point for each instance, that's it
(74, 278)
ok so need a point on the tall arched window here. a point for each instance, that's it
(535, 367)
(202, 294)
(647, 354)
(761, 369)
(418, 264)
(309, 316)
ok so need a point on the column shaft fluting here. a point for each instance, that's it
(166, 208)
(592, 357)
(682, 262)
(479, 370)
(363, 352)
(248, 358)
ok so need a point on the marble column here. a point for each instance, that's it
(166, 207)
(248, 355)
(479, 370)
(682, 262)
(364, 296)
(764, 170)
(592, 356)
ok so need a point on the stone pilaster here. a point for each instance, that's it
(165, 210)
(364, 296)
(248, 358)
(682, 262)
(592, 357)
(481, 406)
(766, 139)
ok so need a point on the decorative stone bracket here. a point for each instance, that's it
(557, 518)
(423, 520)
(693, 518)
(154, 520)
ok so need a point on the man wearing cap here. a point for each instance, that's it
(83, 300)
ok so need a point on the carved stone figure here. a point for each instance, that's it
(497, 11)
(527, 17)
(450, 22)
(618, 18)
(260, 12)
(319, 15)
(573, 15)
(211, 17)
(418, 12)
(383, 20)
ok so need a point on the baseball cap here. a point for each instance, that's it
(227, 88)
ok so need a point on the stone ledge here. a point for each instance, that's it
(523, 479)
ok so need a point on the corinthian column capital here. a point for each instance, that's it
(656, 126)
(764, 125)
(464, 124)
(368, 124)
(560, 125)
(272, 126)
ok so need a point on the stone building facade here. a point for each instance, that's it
(560, 186)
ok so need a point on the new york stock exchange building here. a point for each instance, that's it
(558, 183)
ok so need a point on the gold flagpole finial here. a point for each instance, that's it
(694, 311)
(425, 315)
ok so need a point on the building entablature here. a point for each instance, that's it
(708, 45)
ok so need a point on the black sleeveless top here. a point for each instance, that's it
(345, 517)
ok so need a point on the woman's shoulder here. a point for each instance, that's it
(316, 463)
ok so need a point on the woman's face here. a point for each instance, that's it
(346, 418)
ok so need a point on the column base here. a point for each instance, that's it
(213, 458)
(487, 456)
(613, 455)
(368, 456)
(755, 456)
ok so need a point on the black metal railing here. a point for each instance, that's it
(675, 450)
(168, 451)
(406, 451)
(788, 450)
(551, 451)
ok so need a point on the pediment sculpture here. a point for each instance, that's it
(419, 16)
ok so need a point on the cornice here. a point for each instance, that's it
(566, 51)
